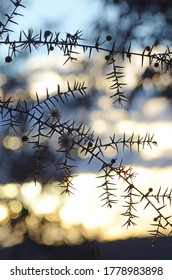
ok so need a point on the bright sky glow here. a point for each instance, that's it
(84, 208)
(30, 191)
(44, 204)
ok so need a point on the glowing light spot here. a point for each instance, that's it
(162, 129)
(99, 126)
(12, 142)
(4, 212)
(52, 217)
(32, 222)
(50, 233)
(44, 204)
(20, 228)
(30, 191)
(84, 208)
(127, 126)
(10, 190)
(15, 206)
(43, 80)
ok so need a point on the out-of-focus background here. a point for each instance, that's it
(40, 212)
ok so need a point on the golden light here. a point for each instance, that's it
(85, 206)
(32, 222)
(44, 204)
(12, 142)
(29, 191)
(52, 233)
(52, 217)
(82, 213)
(4, 212)
(74, 234)
(20, 228)
(9, 190)
(43, 80)
(15, 206)
(42, 76)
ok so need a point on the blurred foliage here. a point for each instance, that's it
(143, 23)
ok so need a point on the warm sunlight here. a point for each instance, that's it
(84, 208)
(81, 213)
(4, 212)
(86, 121)
(9, 191)
(44, 204)
(40, 81)
(29, 191)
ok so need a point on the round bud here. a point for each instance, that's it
(24, 138)
(107, 57)
(156, 64)
(47, 33)
(90, 144)
(8, 59)
(113, 161)
(68, 35)
(108, 38)
(147, 48)
(128, 55)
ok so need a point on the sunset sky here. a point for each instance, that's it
(147, 115)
